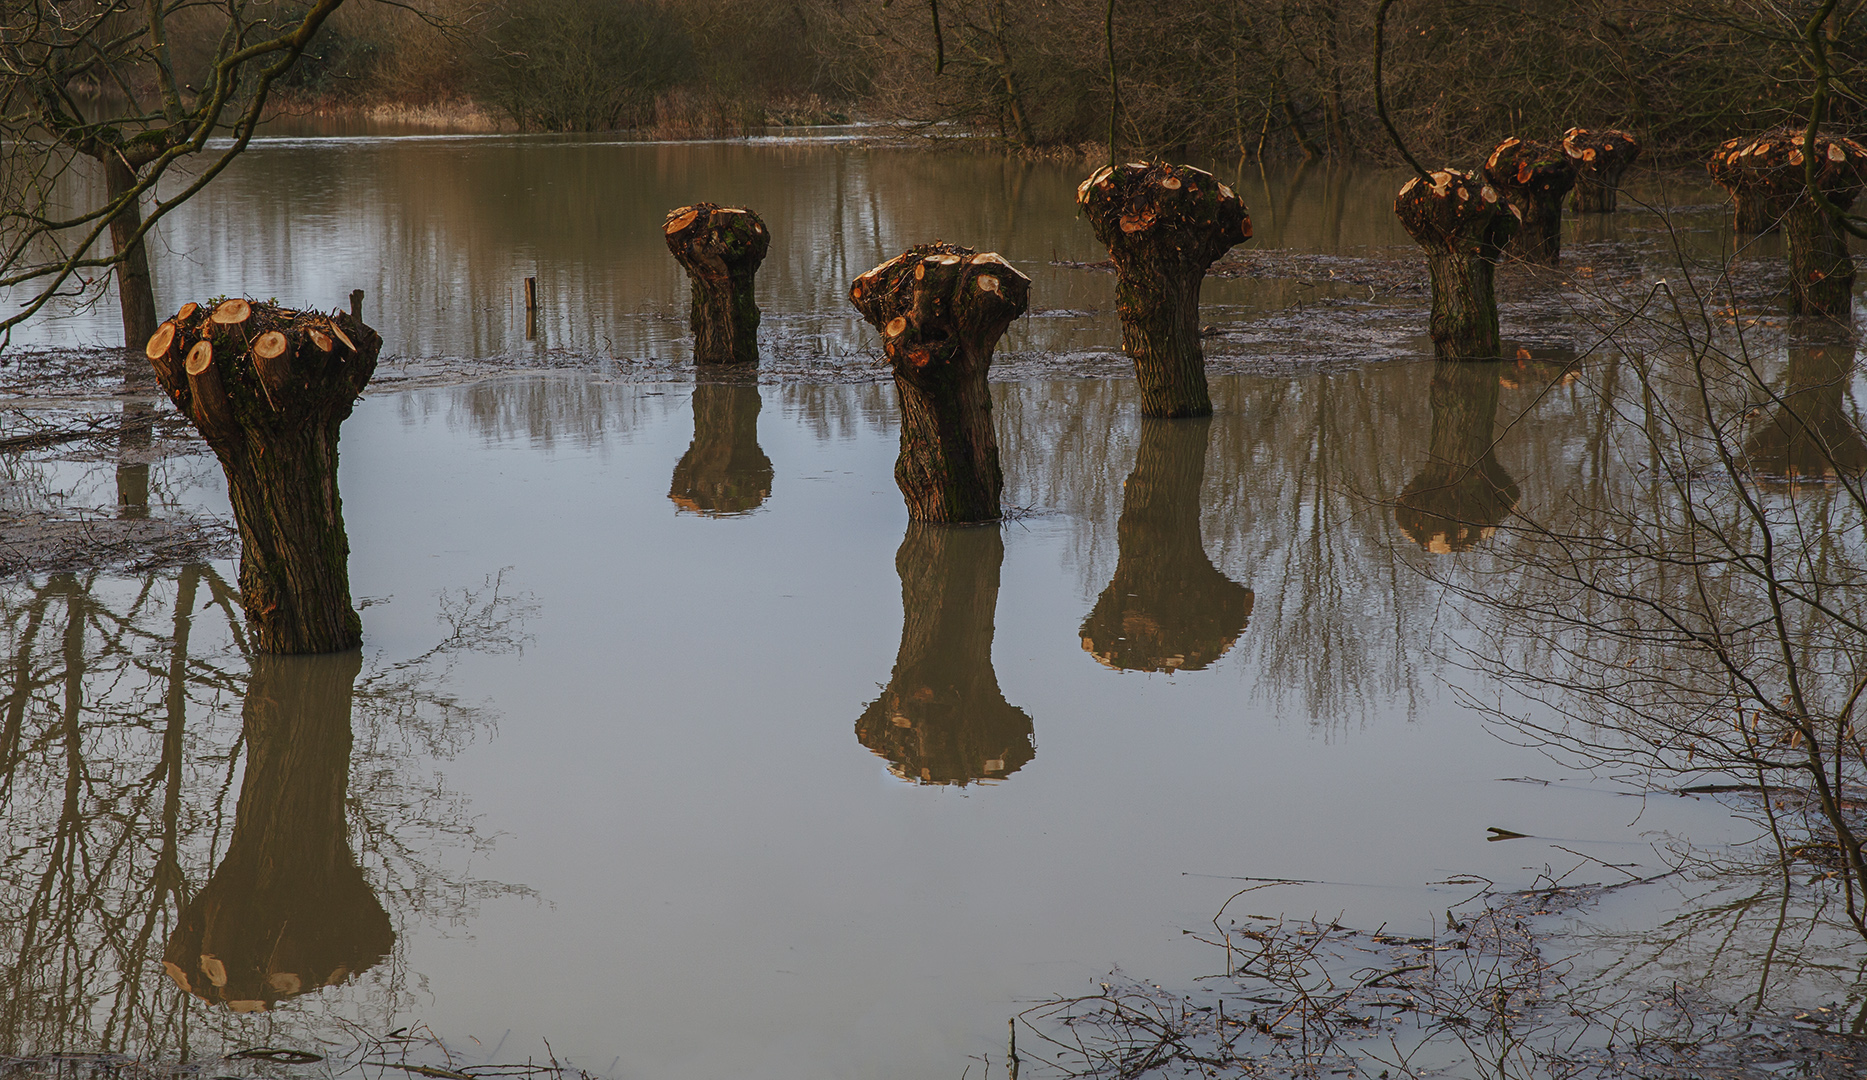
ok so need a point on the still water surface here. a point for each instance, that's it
(674, 744)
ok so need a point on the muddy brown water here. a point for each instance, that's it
(671, 742)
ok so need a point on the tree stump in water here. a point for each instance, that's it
(1811, 437)
(1751, 211)
(1601, 158)
(724, 472)
(941, 310)
(942, 718)
(1821, 272)
(268, 387)
(1463, 224)
(1534, 177)
(1167, 608)
(721, 248)
(1461, 494)
(288, 910)
(1163, 225)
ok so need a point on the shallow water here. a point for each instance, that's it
(676, 746)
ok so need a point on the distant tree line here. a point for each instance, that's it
(1259, 78)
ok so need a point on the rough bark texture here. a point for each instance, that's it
(273, 423)
(1821, 272)
(724, 472)
(1811, 436)
(136, 291)
(288, 910)
(941, 310)
(1463, 224)
(942, 718)
(1751, 211)
(1163, 225)
(1601, 158)
(1167, 608)
(1461, 493)
(721, 248)
(1534, 177)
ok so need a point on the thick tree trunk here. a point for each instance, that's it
(942, 718)
(941, 310)
(1534, 177)
(288, 910)
(724, 472)
(268, 388)
(136, 290)
(1463, 224)
(1461, 493)
(721, 248)
(1167, 608)
(1163, 225)
(1821, 272)
(1751, 211)
(1601, 158)
(1811, 436)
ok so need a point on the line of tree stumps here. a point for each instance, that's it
(268, 387)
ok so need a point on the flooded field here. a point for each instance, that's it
(674, 750)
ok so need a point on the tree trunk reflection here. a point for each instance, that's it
(1461, 494)
(724, 472)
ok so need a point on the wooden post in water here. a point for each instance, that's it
(941, 310)
(1463, 224)
(268, 387)
(1534, 176)
(1163, 225)
(531, 308)
(356, 305)
(721, 248)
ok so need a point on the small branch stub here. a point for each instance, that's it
(1534, 177)
(1463, 223)
(1821, 272)
(1601, 158)
(268, 388)
(1163, 225)
(941, 310)
(721, 248)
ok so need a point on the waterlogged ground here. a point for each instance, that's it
(676, 752)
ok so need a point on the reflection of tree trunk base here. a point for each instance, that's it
(1461, 494)
(1811, 436)
(942, 718)
(724, 472)
(268, 388)
(288, 910)
(941, 310)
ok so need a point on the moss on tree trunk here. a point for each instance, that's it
(721, 248)
(288, 910)
(1163, 225)
(1461, 493)
(1463, 224)
(941, 310)
(724, 472)
(1534, 177)
(942, 718)
(1601, 157)
(1167, 608)
(268, 388)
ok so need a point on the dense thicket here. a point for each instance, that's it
(1254, 77)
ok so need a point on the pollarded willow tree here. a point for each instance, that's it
(96, 85)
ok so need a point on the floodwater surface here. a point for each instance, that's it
(672, 743)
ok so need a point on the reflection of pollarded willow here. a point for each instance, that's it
(1288, 504)
(724, 472)
(1710, 619)
(119, 750)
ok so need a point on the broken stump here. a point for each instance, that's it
(1601, 158)
(941, 310)
(942, 718)
(1533, 176)
(1463, 223)
(268, 387)
(1163, 225)
(721, 248)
